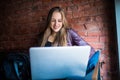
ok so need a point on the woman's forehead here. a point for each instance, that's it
(56, 15)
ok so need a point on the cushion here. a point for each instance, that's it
(92, 62)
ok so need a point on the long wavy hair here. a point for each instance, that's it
(60, 38)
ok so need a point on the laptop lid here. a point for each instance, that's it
(58, 62)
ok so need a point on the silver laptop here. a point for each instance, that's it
(58, 62)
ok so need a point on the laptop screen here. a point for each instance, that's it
(58, 62)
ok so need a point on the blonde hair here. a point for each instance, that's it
(60, 39)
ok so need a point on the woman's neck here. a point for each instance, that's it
(52, 37)
(53, 34)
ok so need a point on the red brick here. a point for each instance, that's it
(79, 27)
(97, 45)
(24, 19)
(86, 7)
(75, 20)
(81, 14)
(105, 51)
(99, 19)
(75, 14)
(4, 38)
(91, 39)
(80, 8)
(104, 39)
(94, 33)
(69, 15)
(92, 26)
(82, 33)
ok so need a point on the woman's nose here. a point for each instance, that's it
(56, 22)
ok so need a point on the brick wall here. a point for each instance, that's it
(21, 21)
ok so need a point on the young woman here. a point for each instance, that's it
(58, 33)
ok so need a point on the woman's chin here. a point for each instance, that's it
(56, 30)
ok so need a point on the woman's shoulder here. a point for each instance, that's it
(71, 31)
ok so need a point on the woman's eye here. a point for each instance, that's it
(52, 20)
(59, 20)
(56, 20)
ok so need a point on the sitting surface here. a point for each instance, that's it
(58, 62)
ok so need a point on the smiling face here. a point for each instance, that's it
(56, 21)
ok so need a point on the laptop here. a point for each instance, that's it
(58, 62)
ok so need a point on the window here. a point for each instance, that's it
(117, 11)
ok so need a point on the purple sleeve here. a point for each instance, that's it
(79, 41)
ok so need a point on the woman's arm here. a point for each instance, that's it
(78, 40)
